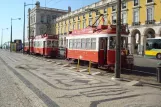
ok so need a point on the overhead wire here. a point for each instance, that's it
(56, 1)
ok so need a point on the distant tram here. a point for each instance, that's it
(26, 48)
(46, 45)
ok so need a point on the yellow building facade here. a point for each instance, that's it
(143, 18)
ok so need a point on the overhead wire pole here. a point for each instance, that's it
(29, 10)
(118, 41)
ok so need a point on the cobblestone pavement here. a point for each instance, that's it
(40, 82)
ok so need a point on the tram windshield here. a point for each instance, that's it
(53, 43)
(153, 44)
(113, 42)
(49, 43)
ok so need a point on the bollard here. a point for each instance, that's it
(159, 74)
(78, 65)
(89, 68)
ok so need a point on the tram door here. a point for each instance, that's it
(44, 42)
(102, 51)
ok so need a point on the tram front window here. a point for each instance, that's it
(113, 42)
(49, 43)
(54, 43)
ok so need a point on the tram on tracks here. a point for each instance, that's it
(46, 45)
(26, 47)
(97, 44)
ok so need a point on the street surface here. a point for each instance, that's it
(28, 81)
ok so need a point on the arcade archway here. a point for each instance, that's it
(136, 40)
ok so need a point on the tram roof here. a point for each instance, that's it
(102, 29)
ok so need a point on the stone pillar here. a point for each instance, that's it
(143, 43)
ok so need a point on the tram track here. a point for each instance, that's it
(126, 73)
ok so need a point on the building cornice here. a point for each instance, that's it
(82, 10)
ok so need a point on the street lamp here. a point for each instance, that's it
(11, 30)
(2, 36)
(24, 22)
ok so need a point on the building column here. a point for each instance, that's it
(130, 44)
(143, 43)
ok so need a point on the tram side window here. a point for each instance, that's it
(88, 43)
(48, 43)
(67, 43)
(37, 43)
(74, 43)
(112, 42)
(55, 43)
(52, 43)
(78, 43)
(93, 43)
(83, 43)
(70, 43)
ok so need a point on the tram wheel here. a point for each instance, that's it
(158, 56)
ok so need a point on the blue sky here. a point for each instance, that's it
(14, 9)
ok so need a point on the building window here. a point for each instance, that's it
(105, 11)
(90, 22)
(73, 26)
(42, 18)
(84, 24)
(123, 5)
(97, 22)
(149, 14)
(136, 2)
(53, 16)
(124, 18)
(64, 28)
(149, 1)
(73, 19)
(84, 16)
(68, 27)
(136, 16)
(90, 14)
(97, 13)
(48, 19)
(78, 26)
(105, 20)
(114, 19)
(78, 18)
(114, 8)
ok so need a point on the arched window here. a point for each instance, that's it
(48, 19)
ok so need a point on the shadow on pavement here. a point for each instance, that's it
(141, 71)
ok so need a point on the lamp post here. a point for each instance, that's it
(118, 41)
(11, 30)
(2, 36)
(29, 29)
(24, 23)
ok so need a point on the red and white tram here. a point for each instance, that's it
(46, 45)
(96, 44)
(26, 47)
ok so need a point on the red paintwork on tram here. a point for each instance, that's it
(46, 45)
(99, 37)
